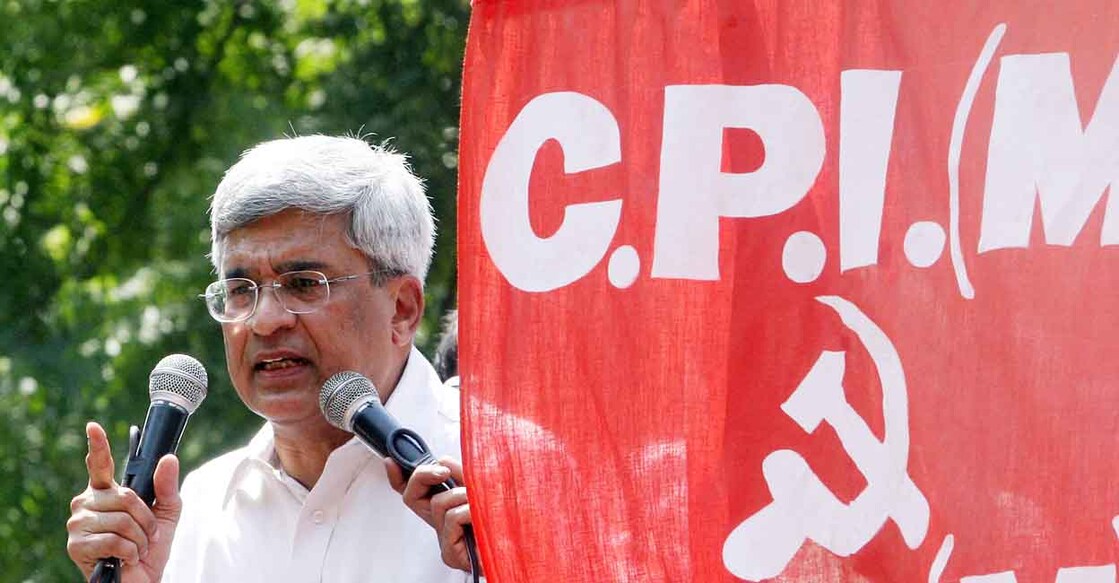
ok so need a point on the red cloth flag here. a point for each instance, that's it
(809, 291)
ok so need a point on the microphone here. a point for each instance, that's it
(177, 386)
(350, 402)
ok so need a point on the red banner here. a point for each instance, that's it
(810, 291)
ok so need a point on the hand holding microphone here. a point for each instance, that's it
(118, 520)
(447, 512)
(431, 487)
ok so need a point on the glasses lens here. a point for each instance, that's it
(303, 292)
(231, 299)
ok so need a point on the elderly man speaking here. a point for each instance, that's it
(327, 241)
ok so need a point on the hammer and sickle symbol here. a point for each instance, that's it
(803, 507)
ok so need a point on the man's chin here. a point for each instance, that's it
(287, 407)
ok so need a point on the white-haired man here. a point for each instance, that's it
(324, 242)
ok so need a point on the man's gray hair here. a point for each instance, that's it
(390, 216)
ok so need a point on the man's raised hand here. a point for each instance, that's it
(109, 520)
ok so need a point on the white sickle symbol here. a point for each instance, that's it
(803, 507)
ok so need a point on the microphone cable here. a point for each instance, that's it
(472, 553)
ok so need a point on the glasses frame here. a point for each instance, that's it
(275, 285)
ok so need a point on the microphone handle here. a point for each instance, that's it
(106, 571)
(163, 429)
(381, 431)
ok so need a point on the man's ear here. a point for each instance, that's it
(409, 298)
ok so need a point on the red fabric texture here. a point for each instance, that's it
(618, 433)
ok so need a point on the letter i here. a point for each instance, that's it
(868, 102)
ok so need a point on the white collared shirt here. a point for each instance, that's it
(244, 520)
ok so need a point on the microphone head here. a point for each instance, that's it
(180, 379)
(343, 395)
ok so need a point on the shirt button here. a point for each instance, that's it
(318, 516)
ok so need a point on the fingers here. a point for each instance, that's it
(423, 480)
(116, 499)
(443, 503)
(451, 513)
(417, 490)
(454, 543)
(418, 487)
(116, 511)
(87, 550)
(99, 461)
(116, 523)
(94, 535)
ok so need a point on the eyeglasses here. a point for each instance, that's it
(299, 292)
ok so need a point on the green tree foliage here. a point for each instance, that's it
(117, 120)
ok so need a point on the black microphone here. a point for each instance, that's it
(177, 386)
(350, 402)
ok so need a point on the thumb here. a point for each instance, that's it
(456, 469)
(168, 505)
(396, 475)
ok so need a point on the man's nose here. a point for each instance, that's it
(270, 314)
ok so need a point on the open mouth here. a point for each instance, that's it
(280, 363)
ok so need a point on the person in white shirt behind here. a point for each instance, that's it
(322, 245)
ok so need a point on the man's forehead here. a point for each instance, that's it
(288, 241)
(249, 269)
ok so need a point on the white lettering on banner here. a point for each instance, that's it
(588, 134)
(695, 192)
(1003, 577)
(924, 243)
(941, 559)
(1101, 574)
(955, 150)
(1038, 150)
(803, 507)
(1093, 574)
(868, 101)
(803, 257)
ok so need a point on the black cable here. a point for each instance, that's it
(472, 553)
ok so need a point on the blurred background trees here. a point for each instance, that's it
(117, 120)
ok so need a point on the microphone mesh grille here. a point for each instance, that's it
(182, 375)
(339, 395)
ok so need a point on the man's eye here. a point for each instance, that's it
(302, 283)
(240, 289)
